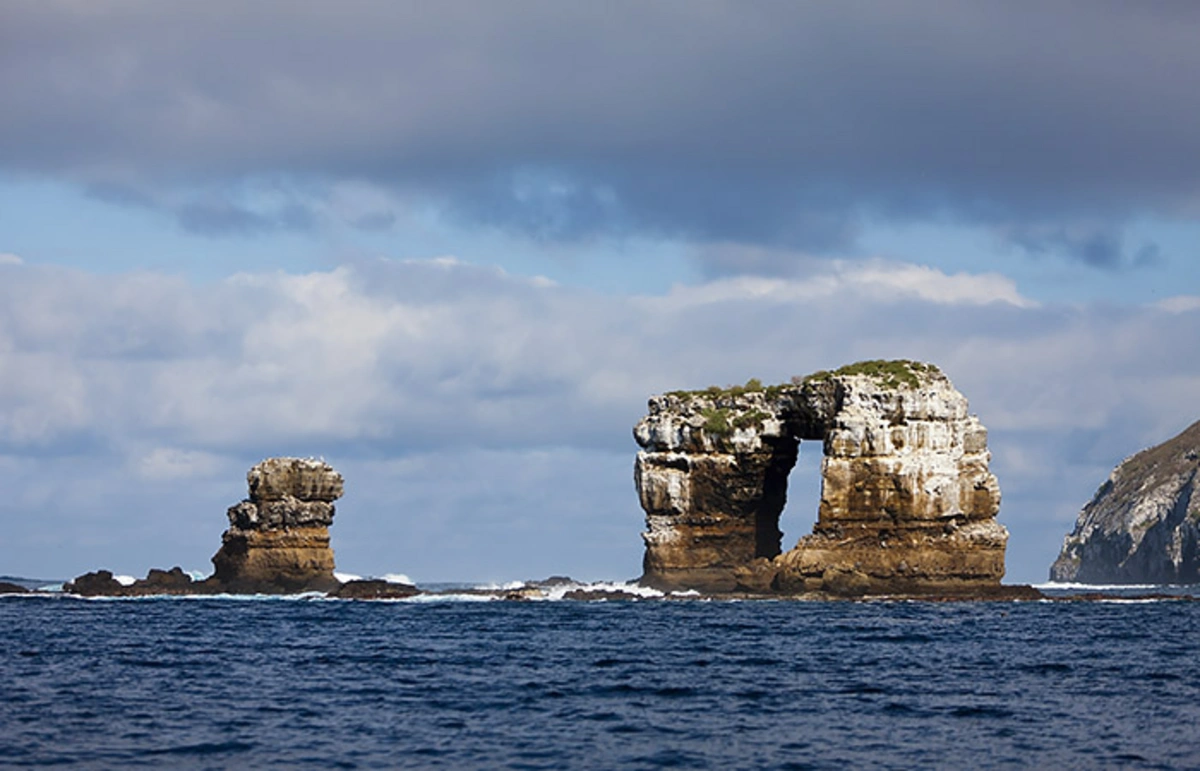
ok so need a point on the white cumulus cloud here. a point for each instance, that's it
(472, 410)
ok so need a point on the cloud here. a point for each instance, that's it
(1180, 304)
(173, 464)
(10, 259)
(784, 124)
(482, 419)
(736, 259)
(1098, 246)
(868, 281)
(224, 218)
(246, 209)
(376, 221)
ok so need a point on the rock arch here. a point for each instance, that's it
(908, 504)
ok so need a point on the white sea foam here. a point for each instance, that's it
(618, 588)
(391, 578)
(306, 597)
(197, 575)
(125, 580)
(1054, 585)
(423, 598)
(505, 587)
(303, 596)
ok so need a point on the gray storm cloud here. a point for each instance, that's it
(770, 122)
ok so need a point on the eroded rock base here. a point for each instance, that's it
(705, 513)
(275, 561)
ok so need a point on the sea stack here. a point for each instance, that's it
(278, 538)
(908, 504)
(1143, 524)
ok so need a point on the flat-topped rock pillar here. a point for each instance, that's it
(278, 538)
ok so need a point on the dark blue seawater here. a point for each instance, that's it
(211, 683)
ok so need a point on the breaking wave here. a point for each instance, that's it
(1073, 586)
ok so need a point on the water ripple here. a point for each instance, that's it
(207, 683)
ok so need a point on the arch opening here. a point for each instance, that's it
(799, 514)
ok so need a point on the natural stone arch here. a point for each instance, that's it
(907, 500)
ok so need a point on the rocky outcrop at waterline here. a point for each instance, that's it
(1143, 524)
(278, 538)
(908, 503)
(102, 583)
(375, 589)
(277, 541)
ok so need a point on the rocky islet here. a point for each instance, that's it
(277, 542)
(278, 537)
(1143, 524)
(908, 503)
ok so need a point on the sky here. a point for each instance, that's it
(452, 248)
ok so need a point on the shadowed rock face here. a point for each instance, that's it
(278, 538)
(1143, 525)
(908, 503)
(102, 583)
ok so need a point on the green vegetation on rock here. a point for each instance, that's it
(890, 374)
(753, 386)
(751, 418)
(720, 421)
(716, 421)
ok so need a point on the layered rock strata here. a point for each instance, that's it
(1143, 524)
(908, 503)
(277, 541)
(278, 538)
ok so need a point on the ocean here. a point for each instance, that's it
(199, 683)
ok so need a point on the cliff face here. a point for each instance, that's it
(907, 501)
(712, 480)
(278, 538)
(1143, 525)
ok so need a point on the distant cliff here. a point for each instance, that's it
(1143, 525)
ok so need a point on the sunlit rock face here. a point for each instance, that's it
(907, 501)
(278, 538)
(1143, 525)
